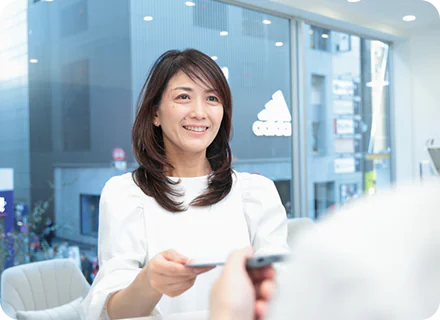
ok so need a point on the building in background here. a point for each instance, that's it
(86, 62)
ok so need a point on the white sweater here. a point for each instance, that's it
(133, 228)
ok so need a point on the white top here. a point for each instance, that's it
(133, 228)
(376, 258)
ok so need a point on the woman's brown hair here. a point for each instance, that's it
(147, 140)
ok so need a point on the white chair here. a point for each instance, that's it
(43, 286)
(296, 226)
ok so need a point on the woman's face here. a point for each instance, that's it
(190, 115)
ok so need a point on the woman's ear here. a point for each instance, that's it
(156, 120)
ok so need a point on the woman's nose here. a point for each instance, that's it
(198, 111)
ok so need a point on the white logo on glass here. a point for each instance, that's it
(3, 204)
(274, 119)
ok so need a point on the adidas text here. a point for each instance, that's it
(272, 128)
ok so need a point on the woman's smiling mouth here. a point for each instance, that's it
(196, 128)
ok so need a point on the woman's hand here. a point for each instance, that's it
(167, 274)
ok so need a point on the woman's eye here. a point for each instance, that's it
(213, 99)
(183, 97)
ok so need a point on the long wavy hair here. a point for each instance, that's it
(147, 139)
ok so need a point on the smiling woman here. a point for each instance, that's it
(183, 193)
(184, 89)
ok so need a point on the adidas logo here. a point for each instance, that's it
(274, 119)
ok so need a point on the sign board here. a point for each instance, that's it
(343, 87)
(118, 154)
(345, 165)
(274, 119)
(344, 126)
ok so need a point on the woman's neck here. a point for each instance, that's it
(188, 166)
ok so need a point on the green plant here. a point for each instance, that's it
(29, 246)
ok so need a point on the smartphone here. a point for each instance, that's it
(264, 261)
(204, 264)
(251, 263)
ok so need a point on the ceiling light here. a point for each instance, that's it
(354, 1)
(279, 44)
(311, 31)
(33, 60)
(223, 33)
(409, 18)
(324, 35)
(47, 0)
(190, 3)
(214, 58)
(267, 21)
(148, 18)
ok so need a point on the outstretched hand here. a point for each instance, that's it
(167, 273)
(240, 293)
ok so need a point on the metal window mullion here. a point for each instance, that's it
(299, 155)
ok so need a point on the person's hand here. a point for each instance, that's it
(240, 293)
(167, 274)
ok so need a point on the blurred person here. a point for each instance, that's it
(240, 293)
(377, 258)
(86, 267)
(183, 202)
(48, 231)
(62, 250)
(95, 268)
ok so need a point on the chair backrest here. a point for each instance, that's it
(41, 285)
(296, 226)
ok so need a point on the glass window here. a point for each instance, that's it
(89, 214)
(253, 49)
(75, 70)
(347, 111)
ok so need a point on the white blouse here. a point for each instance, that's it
(133, 228)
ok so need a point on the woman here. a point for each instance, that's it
(183, 202)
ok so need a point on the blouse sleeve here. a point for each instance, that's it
(122, 243)
(265, 215)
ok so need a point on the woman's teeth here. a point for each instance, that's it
(196, 129)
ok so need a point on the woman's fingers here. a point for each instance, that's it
(173, 255)
(170, 268)
(176, 289)
(178, 278)
(169, 275)
(181, 284)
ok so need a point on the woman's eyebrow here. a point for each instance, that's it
(191, 89)
(183, 88)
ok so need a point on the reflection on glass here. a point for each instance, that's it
(347, 98)
(71, 73)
